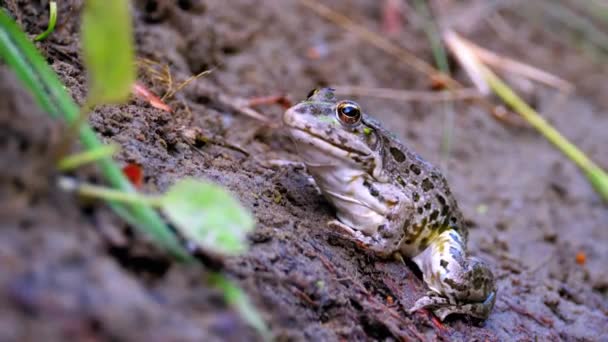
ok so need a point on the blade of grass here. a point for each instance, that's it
(235, 296)
(31, 68)
(107, 50)
(596, 176)
(441, 60)
(52, 22)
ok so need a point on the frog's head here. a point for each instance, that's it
(327, 132)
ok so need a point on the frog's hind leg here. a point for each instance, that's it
(459, 284)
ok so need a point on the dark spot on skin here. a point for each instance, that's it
(356, 159)
(427, 206)
(444, 226)
(427, 185)
(444, 264)
(445, 210)
(415, 169)
(342, 139)
(415, 197)
(414, 183)
(307, 127)
(478, 280)
(423, 243)
(408, 242)
(374, 192)
(441, 199)
(400, 181)
(420, 210)
(453, 219)
(455, 285)
(406, 225)
(397, 155)
(434, 215)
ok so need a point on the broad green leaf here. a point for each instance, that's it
(107, 44)
(208, 215)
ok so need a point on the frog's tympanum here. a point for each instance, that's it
(390, 200)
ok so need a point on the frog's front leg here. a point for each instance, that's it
(461, 285)
(367, 242)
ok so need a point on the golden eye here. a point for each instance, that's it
(349, 113)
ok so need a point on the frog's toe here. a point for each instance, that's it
(442, 307)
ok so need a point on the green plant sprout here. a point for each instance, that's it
(52, 22)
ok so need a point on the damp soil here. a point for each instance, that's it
(72, 269)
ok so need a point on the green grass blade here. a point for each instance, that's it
(596, 176)
(107, 49)
(239, 300)
(31, 68)
(441, 61)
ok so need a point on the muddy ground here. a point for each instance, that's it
(72, 269)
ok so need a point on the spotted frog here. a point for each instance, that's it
(390, 201)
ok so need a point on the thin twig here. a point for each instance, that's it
(507, 64)
(180, 86)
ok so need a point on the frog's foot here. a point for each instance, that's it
(461, 284)
(345, 232)
(442, 307)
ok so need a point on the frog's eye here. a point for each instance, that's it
(349, 113)
(312, 92)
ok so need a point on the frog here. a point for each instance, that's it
(390, 201)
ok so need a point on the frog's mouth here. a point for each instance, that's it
(306, 137)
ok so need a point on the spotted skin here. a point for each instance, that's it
(389, 200)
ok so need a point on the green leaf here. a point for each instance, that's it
(107, 43)
(208, 215)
